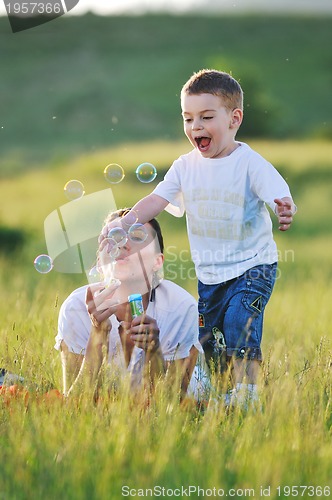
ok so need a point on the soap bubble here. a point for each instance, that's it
(114, 173)
(119, 235)
(138, 233)
(146, 172)
(74, 190)
(43, 264)
(112, 247)
(95, 275)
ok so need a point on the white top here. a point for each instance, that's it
(174, 310)
(229, 226)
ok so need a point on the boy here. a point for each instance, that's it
(223, 185)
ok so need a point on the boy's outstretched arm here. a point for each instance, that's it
(285, 209)
(145, 209)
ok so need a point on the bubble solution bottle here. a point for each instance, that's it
(136, 304)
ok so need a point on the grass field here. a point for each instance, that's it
(76, 450)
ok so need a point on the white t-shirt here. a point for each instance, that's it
(174, 310)
(229, 226)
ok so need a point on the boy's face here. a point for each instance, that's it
(209, 125)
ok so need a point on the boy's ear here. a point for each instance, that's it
(236, 119)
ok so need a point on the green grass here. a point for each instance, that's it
(81, 83)
(76, 450)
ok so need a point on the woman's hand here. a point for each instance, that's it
(101, 302)
(144, 333)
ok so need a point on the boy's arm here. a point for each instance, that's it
(285, 209)
(145, 209)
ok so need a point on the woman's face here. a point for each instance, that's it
(134, 262)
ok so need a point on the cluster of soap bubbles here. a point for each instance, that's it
(74, 190)
(118, 237)
(113, 173)
(145, 172)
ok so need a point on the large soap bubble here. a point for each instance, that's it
(114, 173)
(43, 264)
(74, 190)
(146, 172)
(119, 235)
(137, 233)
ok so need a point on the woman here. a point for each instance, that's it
(163, 339)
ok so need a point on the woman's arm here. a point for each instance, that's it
(100, 306)
(144, 333)
(182, 369)
(71, 365)
(90, 368)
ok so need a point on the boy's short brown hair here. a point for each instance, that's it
(219, 83)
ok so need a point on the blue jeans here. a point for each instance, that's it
(231, 314)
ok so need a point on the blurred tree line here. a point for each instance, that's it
(77, 84)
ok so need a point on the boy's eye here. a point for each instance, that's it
(207, 117)
(187, 120)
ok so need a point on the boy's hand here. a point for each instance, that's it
(285, 210)
(106, 229)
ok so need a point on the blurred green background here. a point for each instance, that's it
(80, 83)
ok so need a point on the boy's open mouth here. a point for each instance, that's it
(203, 143)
